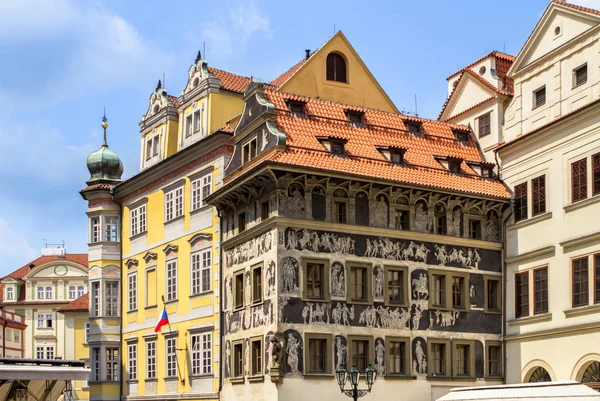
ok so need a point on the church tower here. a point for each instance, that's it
(104, 248)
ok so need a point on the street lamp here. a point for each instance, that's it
(342, 376)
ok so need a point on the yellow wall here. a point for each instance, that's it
(222, 107)
(171, 139)
(362, 88)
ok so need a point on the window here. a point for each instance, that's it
(462, 367)
(487, 172)
(174, 204)
(438, 296)
(155, 144)
(264, 210)
(440, 219)
(72, 292)
(356, 118)
(337, 148)
(197, 121)
(494, 360)
(360, 352)
(189, 125)
(296, 108)
(87, 332)
(95, 229)
(238, 359)
(257, 288)
(132, 361)
(462, 136)
(95, 299)
(16, 335)
(484, 124)
(50, 352)
(358, 284)
(414, 128)
(172, 280)
(579, 180)
(336, 68)
(580, 76)
(361, 209)
(171, 356)
(395, 285)
(138, 220)
(454, 165)
(49, 293)
(202, 354)
(201, 267)
(151, 359)
(539, 97)
(580, 282)
(398, 358)
(239, 289)
(474, 229)
(540, 290)
(201, 189)
(340, 206)
(401, 219)
(249, 151)
(438, 358)
(318, 351)
(111, 229)
(9, 293)
(521, 202)
(39, 352)
(522, 294)
(315, 275)
(112, 364)
(241, 222)
(132, 291)
(40, 321)
(458, 292)
(96, 361)
(80, 291)
(111, 295)
(257, 356)
(49, 323)
(149, 149)
(492, 287)
(538, 189)
(596, 278)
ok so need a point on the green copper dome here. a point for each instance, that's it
(104, 164)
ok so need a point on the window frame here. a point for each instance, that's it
(582, 178)
(487, 371)
(132, 292)
(174, 203)
(471, 358)
(111, 298)
(404, 285)
(249, 150)
(132, 361)
(235, 376)
(407, 356)
(535, 291)
(576, 70)
(113, 362)
(325, 279)
(254, 363)
(198, 356)
(171, 357)
(526, 307)
(447, 362)
(138, 222)
(406, 217)
(481, 123)
(486, 294)
(587, 277)
(369, 351)
(536, 102)
(596, 276)
(521, 202)
(238, 305)
(328, 352)
(198, 270)
(10, 291)
(200, 187)
(151, 359)
(475, 226)
(538, 195)
(171, 281)
(332, 70)
(253, 284)
(368, 285)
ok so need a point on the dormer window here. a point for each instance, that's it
(394, 155)
(249, 151)
(337, 147)
(454, 165)
(297, 109)
(487, 172)
(414, 128)
(357, 118)
(461, 136)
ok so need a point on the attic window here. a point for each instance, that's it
(454, 165)
(487, 172)
(297, 109)
(337, 147)
(357, 118)
(461, 136)
(482, 70)
(414, 128)
(397, 156)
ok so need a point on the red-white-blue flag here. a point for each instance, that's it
(164, 319)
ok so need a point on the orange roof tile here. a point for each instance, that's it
(81, 304)
(576, 7)
(325, 118)
(499, 56)
(96, 186)
(230, 81)
(174, 100)
(280, 80)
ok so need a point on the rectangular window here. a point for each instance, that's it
(358, 283)
(202, 354)
(317, 355)
(87, 332)
(50, 352)
(112, 298)
(138, 220)
(201, 268)
(197, 121)
(201, 189)
(132, 291)
(49, 322)
(401, 219)
(172, 280)
(540, 290)
(174, 204)
(264, 210)
(580, 282)
(463, 352)
(95, 229)
(149, 149)
(80, 291)
(39, 352)
(474, 229)
(241, 222)
(40, 321)
(522, 294)
(96, 364)
(171, 345)
(596, 278)
(458, 292)
(239, 290)
(579, 180)
(40, 293)
(438, 290)
(314, 280)
(17, 335)
(95, 299)
(257, 357)
(360, 350)
(521, 201)
(539, 97)
(395, 279)
(72, 292)
(49, 293)
(340, 211)
(438, 359)
(155, 145)
(151, 359)
(580, 76)
(132, 361)
(414, 128)
(397, 357)
(238, 359)
(494, 358)
(189, 125)
(249, 151)
(538, 192)
(112, 364)
(257, 289)
(484, 124)
(493, 295)
(596, 174)
(111, 225)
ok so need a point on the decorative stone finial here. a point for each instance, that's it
(159, 85)
(198, 57)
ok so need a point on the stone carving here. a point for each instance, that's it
(472, 291)
(396, 250)
(492, 227)
(341, 351)
(338, 281)
(421, 217)
(276, 352)
(265, 140)
(289, 275)
(340, 314)
(249, 249)
(268, 347)
(464, 257)
(445, 318)
(304, 239)
(456, 222)
(397, 318)
(247, 289)
(379, 357)
(296, 202)
(228, 293)
(260, 317)
(283, 301)
(247, 357)
(417, 317)
(420, 361)
(293, 352)
(270, 278)
(320, 313)
(421, 289)
(378, 281)
(381, 212)
(227, 358)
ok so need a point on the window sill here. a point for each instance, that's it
(170, 379)
(150, 307)
(544, 317)
(171, 301)
(255, 379)
(582, 203)
(237, 380)
(202, 376)
(104, 243)
(326, 299)
(530, 221)
(201, 294)
(174, 219)
(132, 311)
(491, 312)
(153, 380)
(132, 381)
(462, 378)
(238, 308)
(538, 106)
(138, 235)
(318, 375)
(392, 376)
(257, 303)
(582, 310)
(201, 209)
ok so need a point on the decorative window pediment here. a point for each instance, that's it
(150, 256)
(131, 262)
(200, 237)
(170, 249)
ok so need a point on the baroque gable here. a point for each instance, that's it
(159, 100)
(196, 74)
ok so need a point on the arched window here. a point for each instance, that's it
(318, 204)
(361, 209)
(591, 376)
(9, 293)
(440, 219)
(336, 68)
(540, 375)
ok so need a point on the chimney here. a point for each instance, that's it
(307, 53)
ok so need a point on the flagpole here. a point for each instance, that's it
(182, 380)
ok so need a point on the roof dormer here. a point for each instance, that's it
(394, 155)
(356, 118)
(450, 163)
(297, 108)
(336, 146)
(414, 128)
(485, 170)
(462, 136)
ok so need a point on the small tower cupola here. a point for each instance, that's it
(104, 164)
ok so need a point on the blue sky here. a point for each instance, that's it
(63, 61)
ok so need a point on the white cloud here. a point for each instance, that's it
(15, 250)
(34, 19)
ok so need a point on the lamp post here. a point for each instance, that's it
(353, 376)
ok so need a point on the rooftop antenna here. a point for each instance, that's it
(334, 28)
(416, 109)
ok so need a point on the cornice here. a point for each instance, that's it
(547, 250)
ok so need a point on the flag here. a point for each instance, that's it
(164, 319)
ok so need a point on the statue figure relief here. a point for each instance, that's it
(381, 212)
(378, 282)
(297, 202)
(492, 227)
(421, 217)
(456, 221)
(379, 358)
(340, 350)
(292, 351)
(420, 355)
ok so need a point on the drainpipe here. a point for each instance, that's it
(221, 282)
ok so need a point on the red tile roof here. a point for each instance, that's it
(494, 53)
(81, 304)
(230, 81)
(576, 7)
(81, 258)
(325, 118)
(174, 100)
(96, 186)
(280, 80)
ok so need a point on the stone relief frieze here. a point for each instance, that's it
(341, 351)
(293, 352)
(249, 317)
(249, 249)
(465, 257)
(309, 240)
(338, 280)
(419, 360)
(290, 270)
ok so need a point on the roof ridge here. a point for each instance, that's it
(228, 72)
(488, 83)
(495, 53)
